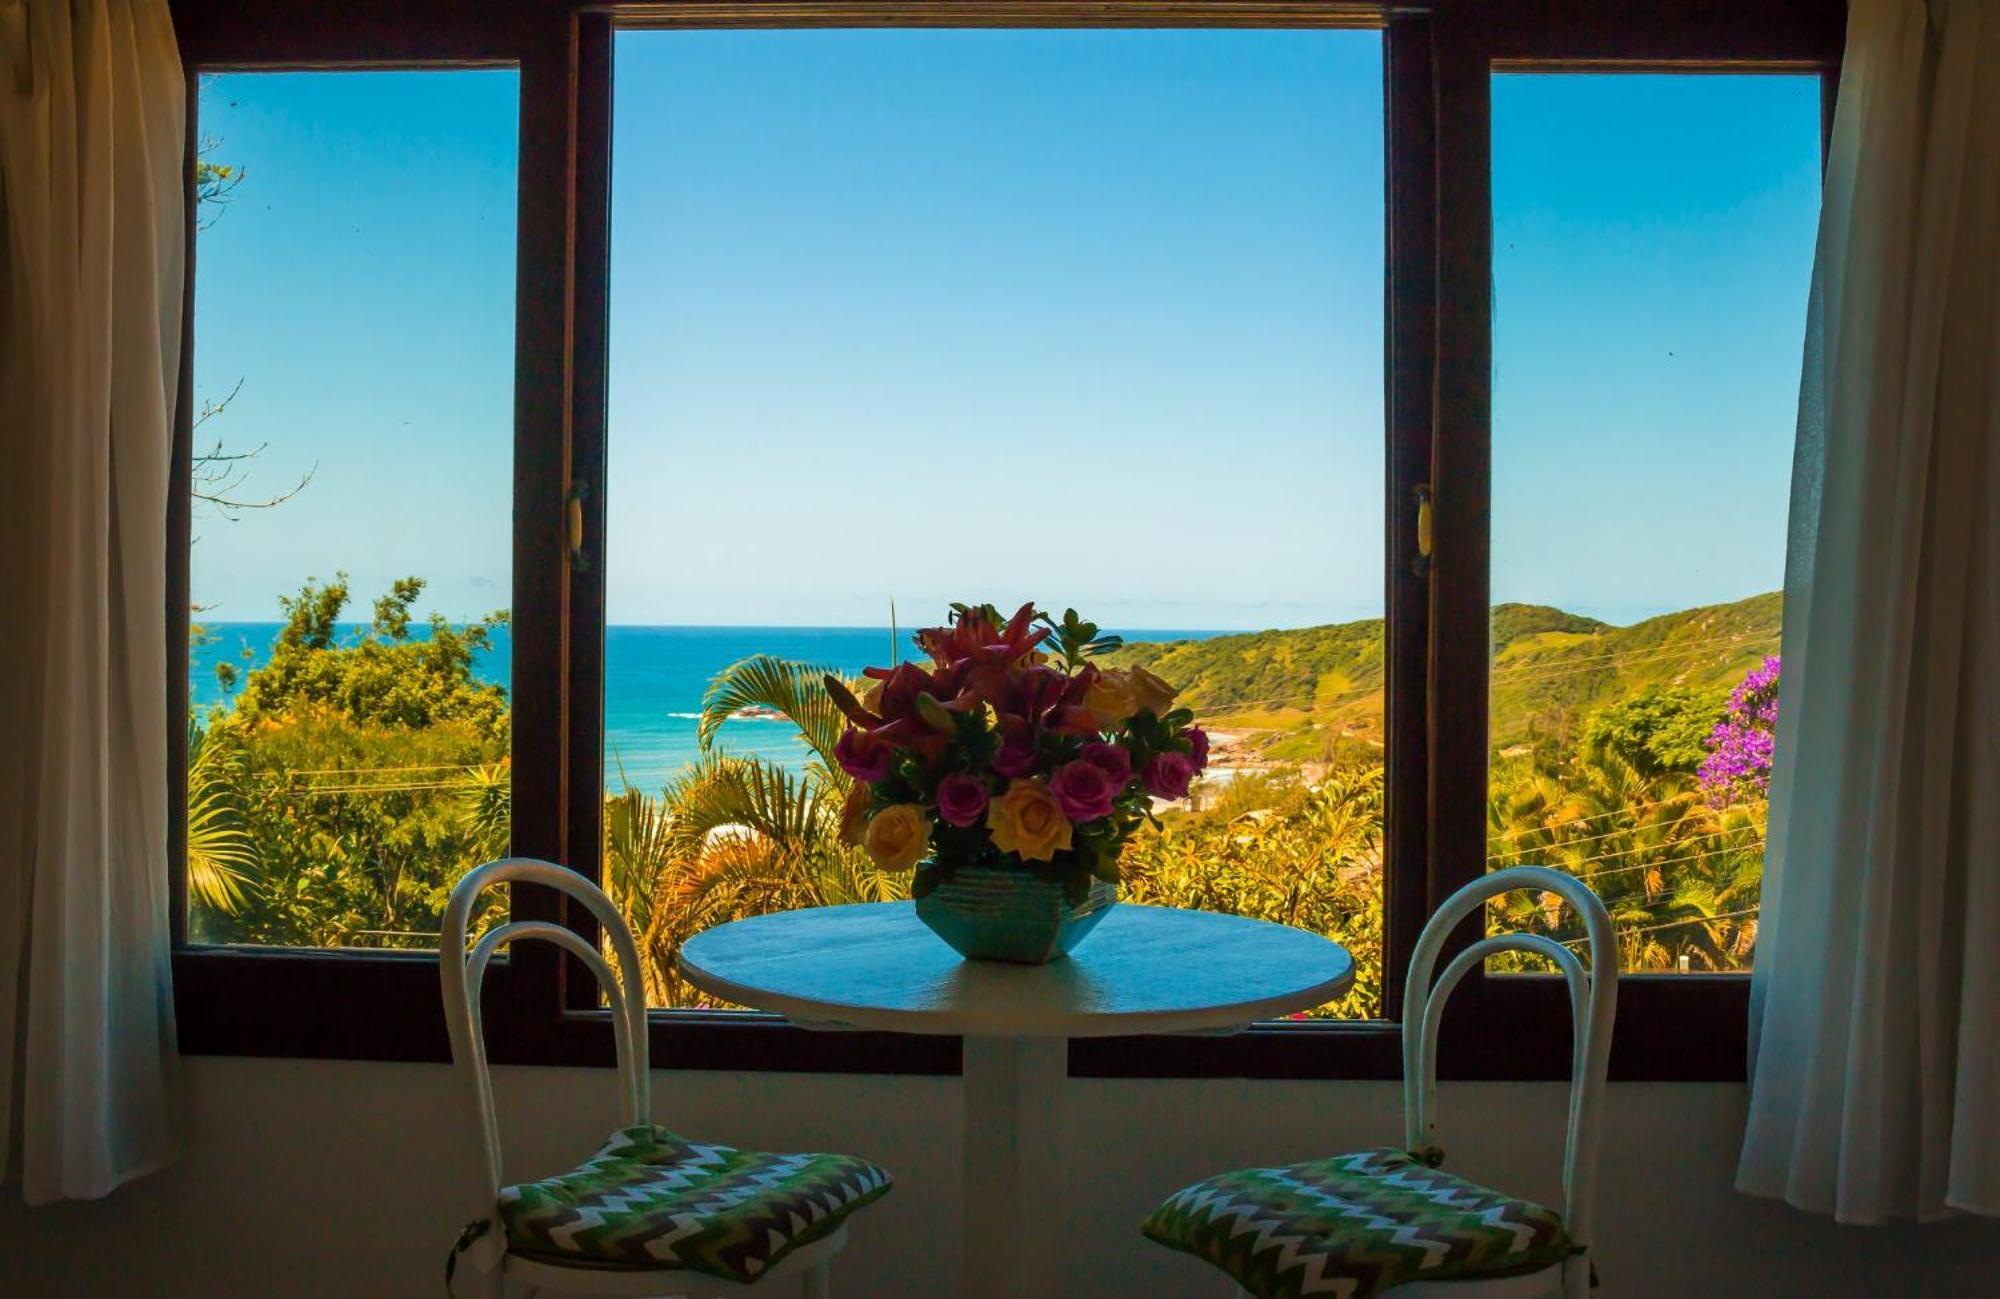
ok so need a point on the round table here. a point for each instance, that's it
(1142, 970)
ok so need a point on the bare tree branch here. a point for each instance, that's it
(220, 475)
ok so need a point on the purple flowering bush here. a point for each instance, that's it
(1740, 746)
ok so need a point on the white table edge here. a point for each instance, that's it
(815, 1014)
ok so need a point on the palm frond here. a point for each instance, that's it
(720, 794)
(487, 808)
(781, 685)
(221, 855)
(638, 851)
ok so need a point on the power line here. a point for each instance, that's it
(1600, 816)
(300, 790)
(1652, 865)
(362, 771)
(1504, 836)
(1662, 863)
(1676, 924)
(1682, 842)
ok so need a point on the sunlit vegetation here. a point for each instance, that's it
(732, 836)
(355, 774)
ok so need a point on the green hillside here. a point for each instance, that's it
(1316, 692)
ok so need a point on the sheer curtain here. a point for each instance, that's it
(92, 105)
(1875, 1005)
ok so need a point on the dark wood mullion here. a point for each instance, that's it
(281, 34)
(313, 1004)
(1632, 35)
(531, 998)
(1671, 1027)
(1112, 14)
(590, 243)
(1410, 185)
(1462, 468)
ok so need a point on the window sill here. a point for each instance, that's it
(305, 1004)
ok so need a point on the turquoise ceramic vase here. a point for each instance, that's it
(992, 913)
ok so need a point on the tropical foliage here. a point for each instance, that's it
(1640, 812)
(1304, 855)
(354, 776)
(733, 836)
(221, 854)
(361, 768)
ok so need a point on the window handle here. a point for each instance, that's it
(1424, 530)
(578, 560)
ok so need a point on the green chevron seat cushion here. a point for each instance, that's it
(650, 1199)
(1355, 1225)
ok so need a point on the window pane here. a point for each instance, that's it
(1092, 319)
(351, 569)
(1653, 242)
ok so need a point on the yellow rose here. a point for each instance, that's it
(1028, 820)
(1151, 693)
(897, 837)
(854, 814)
(1110, 698)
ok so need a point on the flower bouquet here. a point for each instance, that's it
(1008, 772)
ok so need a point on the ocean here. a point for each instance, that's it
(654, 679)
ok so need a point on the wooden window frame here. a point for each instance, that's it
(541, 1007)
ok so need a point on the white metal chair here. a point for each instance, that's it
(488, 1262)
(1235, 1222)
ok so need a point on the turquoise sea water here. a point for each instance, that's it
(654, 679)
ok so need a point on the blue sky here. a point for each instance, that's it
(1091, 318)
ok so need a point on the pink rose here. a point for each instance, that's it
(1199, 739)
(961, 799)
(1168, 774)
(1082, 790)
(862, 756)
(1111, 759)
(1015, 759)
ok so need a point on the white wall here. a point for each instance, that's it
(311, 1178)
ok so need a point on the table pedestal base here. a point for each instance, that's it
(1014, 1195)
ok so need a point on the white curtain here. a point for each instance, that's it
(92, 105)
(1875, 1006)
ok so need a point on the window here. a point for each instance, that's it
(900, 318)
(351, 484)
(1292, 289)
(1653, 239)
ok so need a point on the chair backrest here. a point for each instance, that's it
(1593, 1000)
(463, 971)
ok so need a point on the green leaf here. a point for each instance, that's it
(935, 715)
(782, 685)
(221, 854)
